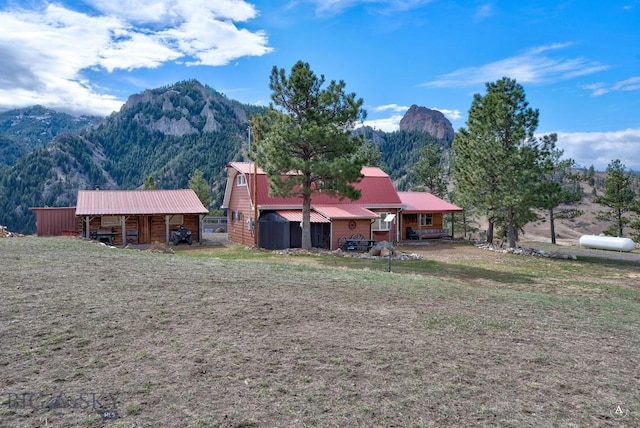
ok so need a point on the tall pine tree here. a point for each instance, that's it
(559, 185)
(498, 161)
(429, 171)
(618, 197)
(305, 143)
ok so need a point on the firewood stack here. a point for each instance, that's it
(4, 233)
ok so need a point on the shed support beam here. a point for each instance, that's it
(87, 230)
(166, 231)
(453, 221)
(123, 226)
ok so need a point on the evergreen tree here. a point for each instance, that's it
(307, 129)
(429, 171)
(201, 187)
(370, 153)
(558, 185)
(498, 161)
(618, 197)
(150, 184)
(589, 175)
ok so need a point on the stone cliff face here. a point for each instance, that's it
(184, 109)
(427, 120)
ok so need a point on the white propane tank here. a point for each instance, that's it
(602, 242)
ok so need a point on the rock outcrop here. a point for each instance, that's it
(427, 120)
(185, 108)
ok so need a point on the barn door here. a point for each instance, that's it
(144, 232)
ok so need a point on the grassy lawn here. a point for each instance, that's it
(232, 337)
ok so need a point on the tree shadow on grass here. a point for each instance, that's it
(435, 269)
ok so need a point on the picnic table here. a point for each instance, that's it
(103, 235)
(356, 243)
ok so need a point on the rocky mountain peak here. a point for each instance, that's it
(427, 120)
(184, 108)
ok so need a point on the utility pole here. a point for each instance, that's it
(255, 185)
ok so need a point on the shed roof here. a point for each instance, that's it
(424, 202)
(131, 202)
(296, 216)
(339, 212)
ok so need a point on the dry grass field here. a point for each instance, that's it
(223, 336)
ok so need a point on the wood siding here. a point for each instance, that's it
(238, 229)
(341, 228)
(411, 220)
(150, 229)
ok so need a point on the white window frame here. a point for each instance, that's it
(380, 225)
(241, 180)
(425, 219)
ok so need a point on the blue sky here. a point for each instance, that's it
(578, 61)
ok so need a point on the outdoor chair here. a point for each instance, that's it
(411, 234)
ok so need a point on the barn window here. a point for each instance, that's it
(109, 221)
(426, 219)
(380, 224)
(242, 180)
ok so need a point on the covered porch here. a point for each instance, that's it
(423, 216)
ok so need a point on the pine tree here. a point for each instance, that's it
(306, 130)
(618, 197)
(150, 184)
(370, 153)
(498, 161)
(201, 187)
(429, 171)
(558, 185)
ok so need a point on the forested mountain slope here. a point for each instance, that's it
(23, 130)
(165, 133)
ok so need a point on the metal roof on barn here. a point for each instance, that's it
(376, 189)
(132, 202)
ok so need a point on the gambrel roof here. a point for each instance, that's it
(377, 190)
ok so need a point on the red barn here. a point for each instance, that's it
(332, 219)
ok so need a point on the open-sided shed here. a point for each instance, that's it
(139, 216)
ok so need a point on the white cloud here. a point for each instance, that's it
(449, 114)
(332, 7)
(387, 124)
(600, 148)
(47, 52)
(392, 107)
(631, 84)
(173, 12)
(596, 89)
(532, 66)
(601, 88)
(484, 11)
